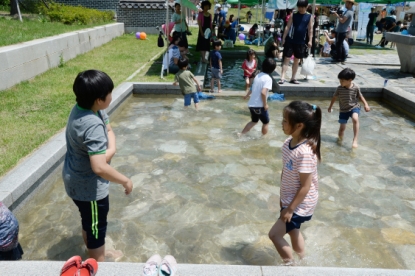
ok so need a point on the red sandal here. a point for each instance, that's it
(71, 266)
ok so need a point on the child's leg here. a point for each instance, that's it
(196, 100)
(341, 131)
(248, 127)
(297, 242)
(212, 85)
(219, 89)
(264, 129)
(355, 119)
(276, 235)
(246, 84)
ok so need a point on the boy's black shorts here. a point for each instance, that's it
(259, 113)
(296, 49)
(94, 220)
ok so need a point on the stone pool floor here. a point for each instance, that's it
(371, 71)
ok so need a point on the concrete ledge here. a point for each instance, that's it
(26, 60)
(156, 88)
(52, 268)
(21, 181)
(400, 99)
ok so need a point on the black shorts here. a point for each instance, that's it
(259, 113)
(94, 220)
(295, 222)
(296, 49)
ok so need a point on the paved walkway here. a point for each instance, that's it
(371, 72)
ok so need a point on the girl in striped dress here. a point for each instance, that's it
(299, 179)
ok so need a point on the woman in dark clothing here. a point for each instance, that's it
(204, 20)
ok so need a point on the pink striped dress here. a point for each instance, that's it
(299, 159)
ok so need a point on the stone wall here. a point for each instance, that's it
(26, 60)
(95, 4)
(141, 20)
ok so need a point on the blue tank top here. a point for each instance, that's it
(299, 27)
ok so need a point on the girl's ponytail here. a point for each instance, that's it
(313, 131)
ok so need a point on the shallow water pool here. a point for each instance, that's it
(206, 196)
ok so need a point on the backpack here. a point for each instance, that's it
(160, 41)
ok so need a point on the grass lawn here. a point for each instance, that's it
(35, 110)
(31, 28)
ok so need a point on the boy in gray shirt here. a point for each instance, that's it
(90, 144)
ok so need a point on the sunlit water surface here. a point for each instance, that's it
(206, 196)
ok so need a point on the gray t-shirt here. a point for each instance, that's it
(342, 27)
(86, 135)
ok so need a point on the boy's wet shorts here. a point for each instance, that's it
(344, 116)
(188, 98)
(215, 73)
(295, 222)
(259, 113)
(94, 220)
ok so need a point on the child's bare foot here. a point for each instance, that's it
(354, 145)
(219, 91)
(339, 140)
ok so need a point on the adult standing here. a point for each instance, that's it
(294, 39)
(370, 28)
(204, 20)
(342, 27)
(180, 25)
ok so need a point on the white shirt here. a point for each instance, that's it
(262, 80)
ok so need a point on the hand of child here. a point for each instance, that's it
(266, 107)
(367, 108)
(198, 88)
(246, 97)
(286, 215)
(329, 110)
(128, 187)
(175, 83)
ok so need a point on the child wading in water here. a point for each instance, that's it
(349, 94)
(257, 104)
(249, 67)
(187, 82)
(216, 65)
(299, 179)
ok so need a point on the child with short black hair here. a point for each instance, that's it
(348, 93)
(90, 144)
(257, 104)
(215, 59)
(299, 176)
(186, 82)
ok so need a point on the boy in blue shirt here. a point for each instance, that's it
(90, 144)
(215, 59)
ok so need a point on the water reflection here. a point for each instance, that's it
(206, 196)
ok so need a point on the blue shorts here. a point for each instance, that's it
(295, 222)
(344, 116)
(94, 220)
(259, 113)
(188, 98)
(216, 74)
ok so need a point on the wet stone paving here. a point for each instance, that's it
(208, 197)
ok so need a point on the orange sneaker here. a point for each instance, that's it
(71, 266)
